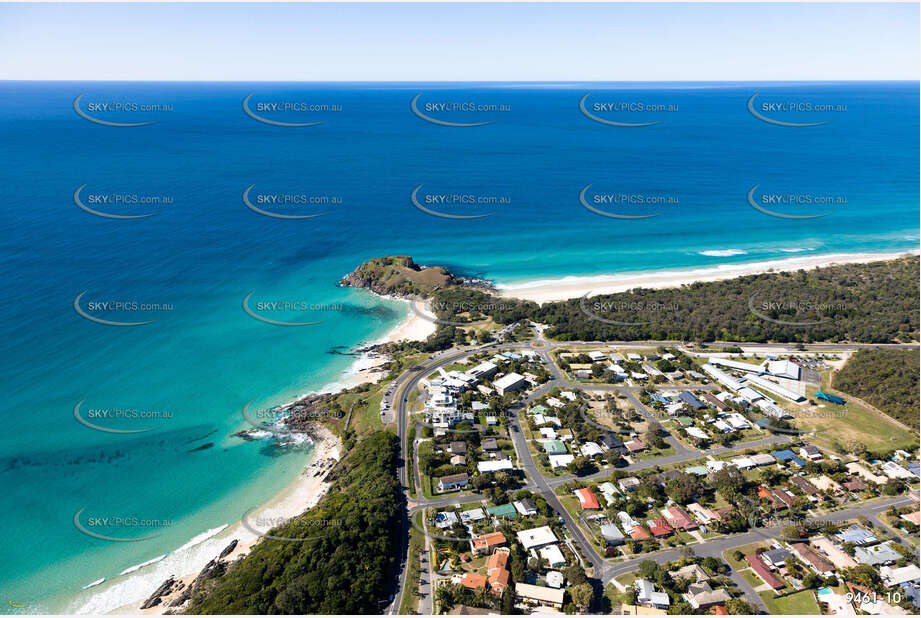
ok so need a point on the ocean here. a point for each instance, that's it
(381, 169)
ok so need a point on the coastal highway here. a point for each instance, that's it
(602, 569)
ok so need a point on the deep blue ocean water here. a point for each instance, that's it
(205, 251)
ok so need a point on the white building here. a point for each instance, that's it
(484, 370)
(784, 369)
(776, 389)
(495, 465)
(738, 366)
(536, 538)
(509, 383)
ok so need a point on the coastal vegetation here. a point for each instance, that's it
(340, 556)
(875, 302)
(887, 379)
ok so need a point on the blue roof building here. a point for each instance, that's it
(691, 400)
(788, 455)
(856, 534)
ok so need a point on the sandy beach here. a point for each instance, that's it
(300, 495)
(307, 490)
(548, 290)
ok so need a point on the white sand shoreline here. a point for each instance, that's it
(307, 489)
(547, 290)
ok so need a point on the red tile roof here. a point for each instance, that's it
(473, 581)
(639, 533)
(764, 572)
(678, 518)
(588, 499)
(660, 527)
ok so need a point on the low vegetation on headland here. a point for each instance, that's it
(875, 302)
(339, 557)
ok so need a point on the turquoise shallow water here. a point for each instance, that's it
(204, 252)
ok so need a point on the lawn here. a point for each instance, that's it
(854, 423)
(746, 550)
(410, 601)
(797, 603)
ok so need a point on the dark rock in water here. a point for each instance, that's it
(164, 589)
(203, 447)
(228, 549)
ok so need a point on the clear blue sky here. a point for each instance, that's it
(459, 42)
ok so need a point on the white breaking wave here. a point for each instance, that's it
(797, 249)
(201, 538)
(723, 252)
(137, 567)
(95, 583)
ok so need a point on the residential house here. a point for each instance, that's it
(486, 543)
(502, 510)
(896, 576)
(762, 570)
(702, 595)
(536, 537)
(540, 595)
(526, 507)
(453, 481)
(659, 527)
(591, 449)
(877, 554)
(805, 486)
(497, 571)
(854, 485)
(776, 558)
(554, 447)
(587, 499)
(856, 534)
(612, 443)
(628, 483)
(635, 445)
(716, 403)
(807, 555)
(690, 573)
(646, 595)
(553, 555)
(612, 534)
(689, 398)
(678, 519)
(810, 452)
(474, 581)
(561, 461)
(494, 466)
(458, 448)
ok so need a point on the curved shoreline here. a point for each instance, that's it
(301, 494)
(565, 288)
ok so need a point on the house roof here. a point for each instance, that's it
(808, 555)
(487, 541)
(536, 537)
(877, 554)
(540, 593)
(764, 572)
(587, 499)
(659, 527)
(473, 581)
(503, 510)
(555, 447)
(678, 518)
(455, 478)
(489, 444)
